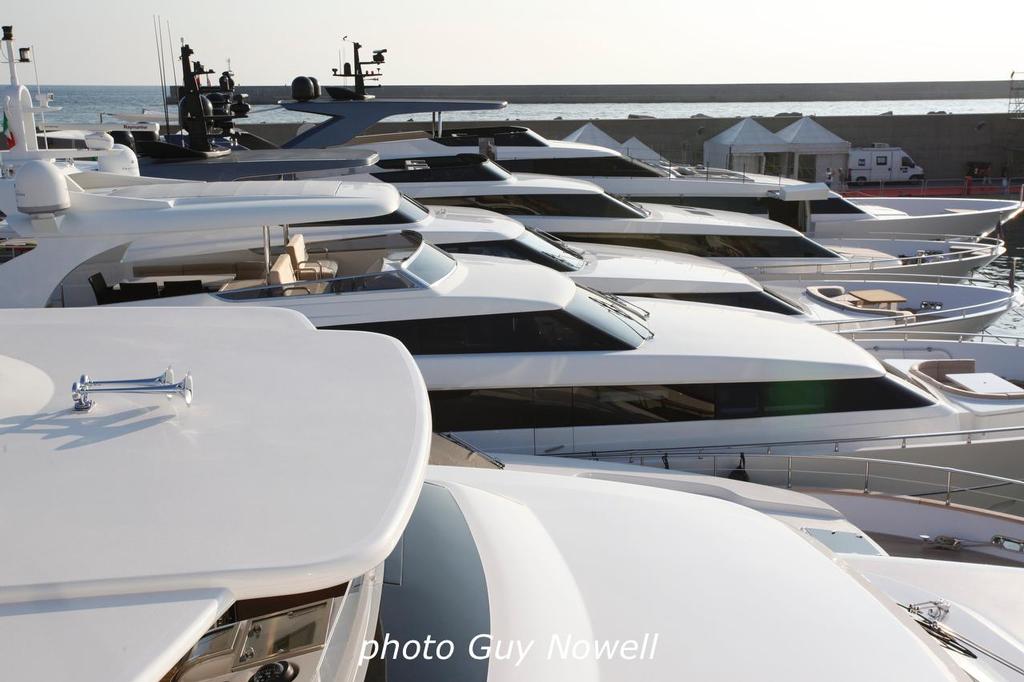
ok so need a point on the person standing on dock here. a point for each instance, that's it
(828, 177)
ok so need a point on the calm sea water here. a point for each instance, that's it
(86, 104)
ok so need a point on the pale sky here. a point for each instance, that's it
(535, 41)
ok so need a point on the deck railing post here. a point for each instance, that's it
(949, 486)
(789, 472)
(867, 475)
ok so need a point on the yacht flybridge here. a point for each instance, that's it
(124, 557)
(810, 207)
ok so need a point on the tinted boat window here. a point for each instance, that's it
(833, 205)
(409, 211)
(711, 245)
(563, 205)
(596, 166)
(528, 246)
(473, 172)
(597, 405)
(510, 136)
(434, 586)
(535, 332)
(653, 404)
(753, 300)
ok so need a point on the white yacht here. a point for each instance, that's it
(925, 536)
(517, 356)
(812, 208)
(581, 211)
(375, 209)
(130, 555)
(359, 555)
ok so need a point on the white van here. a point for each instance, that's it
(882, 162)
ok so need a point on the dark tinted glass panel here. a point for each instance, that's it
(546, 331)
(483, 410)
(739, 204)
(434, 587)
(510, 136)
(578, 205)
(597, 405)
(753, 300)
(611, 405)
(409, 211)
(603, 166)
(470, 172)
(711, 245)
(509, 248)
(833, 205)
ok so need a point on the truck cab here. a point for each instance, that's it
(882, 162)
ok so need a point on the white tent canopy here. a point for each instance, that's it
(591, 134)
(807, 136)
(636, 149)
(742, 145)
(818, 151)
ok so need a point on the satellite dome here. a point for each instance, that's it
(40, 188)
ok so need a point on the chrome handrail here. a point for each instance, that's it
(953, 337)
(857, 265)
(967, 434)
(925, 316)
(868, 475)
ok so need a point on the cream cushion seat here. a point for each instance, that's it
(304, 268)
(282, 274)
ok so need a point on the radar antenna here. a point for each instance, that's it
(360, 76)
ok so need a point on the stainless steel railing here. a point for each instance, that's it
(864, 474)
(954, 337)
(958, 437)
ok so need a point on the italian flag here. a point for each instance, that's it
(7, 134)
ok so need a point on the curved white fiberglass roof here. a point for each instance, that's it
(722, 222)
(732, 593)
(660, 271)
(693, 343)
(481, 285)
(193, 206)
(518, 183)
(254, 188)
(313, 443)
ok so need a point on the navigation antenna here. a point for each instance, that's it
(359, 92)
(1016, 108)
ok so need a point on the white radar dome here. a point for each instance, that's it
(120, 160)
(99, 141)
(40, 188)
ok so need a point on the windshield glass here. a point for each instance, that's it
(663, 172)
(643, 212)
(429, 264)
(606, 314)
(552, 248)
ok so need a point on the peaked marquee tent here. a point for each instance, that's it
(743, 147)
(816, 148)
(636, 149)
(591, 134)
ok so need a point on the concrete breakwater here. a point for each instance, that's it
(942, 144)
(729, 92)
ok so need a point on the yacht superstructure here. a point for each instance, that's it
(581, 211)
(490, 334)
(810, 207)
